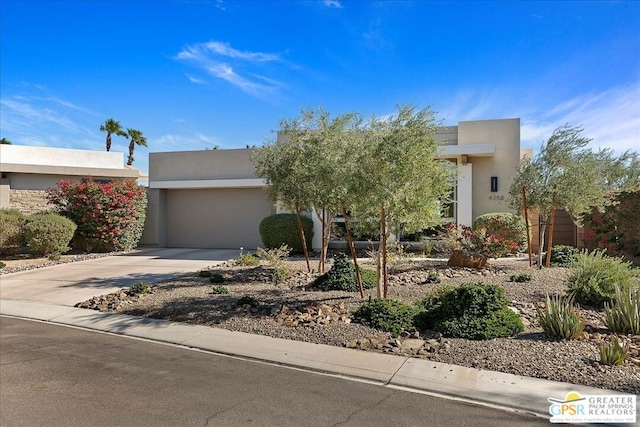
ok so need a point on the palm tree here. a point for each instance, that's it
(112, 126)
(137, 138)
(5, 141)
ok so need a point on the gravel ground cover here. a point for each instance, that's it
(292, 310)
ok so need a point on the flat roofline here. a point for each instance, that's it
(209, 183)
(70, 170)
(476, 150)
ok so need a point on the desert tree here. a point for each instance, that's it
(112, 127)
(136, 138)
(567, 175)
(401, 181)
(281, 163)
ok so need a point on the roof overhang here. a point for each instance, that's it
(126, 172)
(209, 183)
(472, 150)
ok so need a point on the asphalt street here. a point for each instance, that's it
(59, 376)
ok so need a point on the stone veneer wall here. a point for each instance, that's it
(28, 201)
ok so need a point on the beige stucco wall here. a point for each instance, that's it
(154, 233)
(201, 165)
(61, 157)
(215, 218)
(505, 135)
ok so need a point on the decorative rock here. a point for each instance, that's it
(412, 344)
(462, 259)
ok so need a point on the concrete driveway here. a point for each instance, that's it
(68, 284)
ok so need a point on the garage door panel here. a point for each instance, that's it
(215, 218)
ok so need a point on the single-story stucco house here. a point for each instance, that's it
(213, 198)
(27, 171)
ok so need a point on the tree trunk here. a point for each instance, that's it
(322, 253)
(108, 141)
(541, 227)
(303, 239)
(352, 248)
(130, 159)
(383, 249)
(552, 218)
(326, 233)
(526, 222)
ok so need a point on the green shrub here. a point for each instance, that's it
(432, 277)
(342, 276)
(216, 278)
(472, 310)
(48, 233)
(386, 314)
(139, 288)
(247, 260)
(281, 273)
(562, 256)
(561, 319)
(504, 225)
(594, 277)
(110, 216)
(2, 265)
(219, 290)
(520, 278)
(282, 229)
(11, 230)
(248, 300)
(204, 273)
(623, 315)
(613, 352)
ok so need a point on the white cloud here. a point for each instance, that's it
(234, 66)
(610, 118)
(183, 142)
(26, 115)
(196, 80)
(332, 3)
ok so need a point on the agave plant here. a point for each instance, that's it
(560, 318)
(613, 352)
(623, 315)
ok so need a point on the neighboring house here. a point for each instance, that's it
(213, 199)
(28, 171)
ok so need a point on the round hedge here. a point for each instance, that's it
(11, 230)
(282, 229)
(477, 311)
(48, 233)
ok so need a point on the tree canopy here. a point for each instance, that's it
(112, 127)
(568, 175)
(384, 171)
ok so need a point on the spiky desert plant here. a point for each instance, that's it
(614, 352)
(623, 314)
(560, 318)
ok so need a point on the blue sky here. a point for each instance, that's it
(197, 74)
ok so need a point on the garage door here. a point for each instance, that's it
(216, 218)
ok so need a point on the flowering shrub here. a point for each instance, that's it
(109, 216)
(505, 224)
(479, 241)
(616, 228)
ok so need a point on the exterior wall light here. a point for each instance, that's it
(494, 184)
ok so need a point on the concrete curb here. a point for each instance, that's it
(498, 389)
